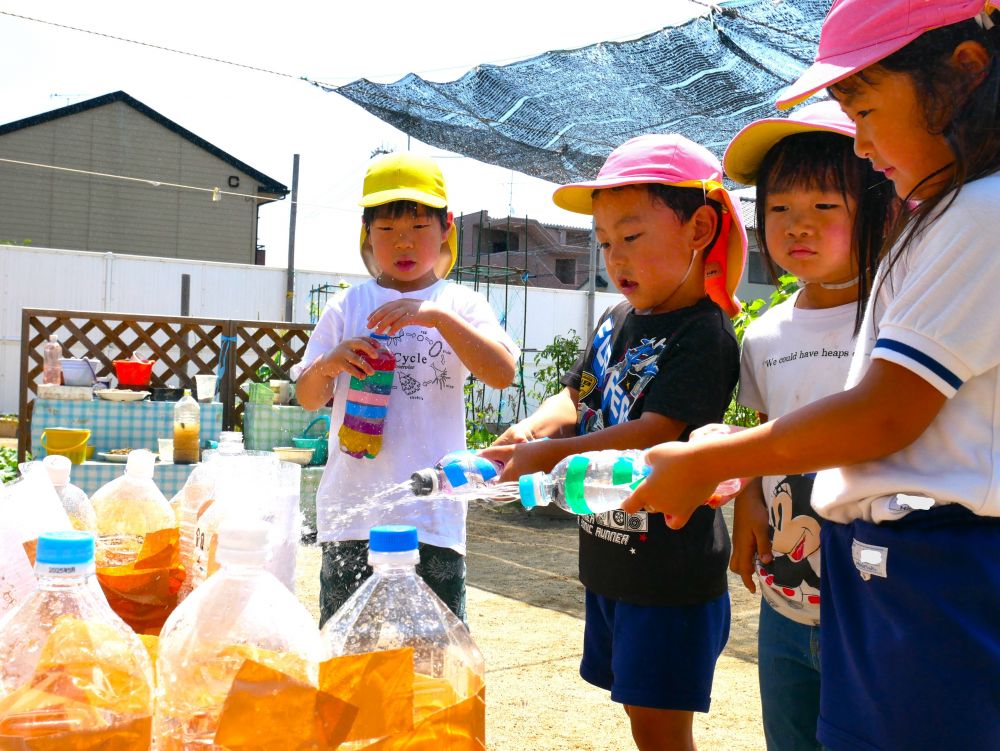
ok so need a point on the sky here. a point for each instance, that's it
(264, 118)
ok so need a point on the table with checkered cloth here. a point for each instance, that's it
(118, 425)
(268, 425)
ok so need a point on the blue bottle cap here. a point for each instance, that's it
(381, 337)
(65, 548)
(392, 538)
(526, 486)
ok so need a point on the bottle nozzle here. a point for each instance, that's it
(424, 482)
(530, 487)
(140, 463)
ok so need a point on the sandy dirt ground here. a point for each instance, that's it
(525, 610)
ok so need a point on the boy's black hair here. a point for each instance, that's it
(682, 201)
(396, 209)
(961, 105)
(820, 160)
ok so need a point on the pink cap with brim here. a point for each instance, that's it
(674, 160)
(748, 148)
(859, 33)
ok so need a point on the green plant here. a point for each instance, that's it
(737, 414)
(8, 464)
(552, 361)
(477, 434)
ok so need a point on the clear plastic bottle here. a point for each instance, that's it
(195, 499)
(71, 670)
(51, 355)
(241, 613)
(77, 504)
(394, 609)
(187, 424)
(138, 547)
(594, 482)
(465, 470)
(367, 404)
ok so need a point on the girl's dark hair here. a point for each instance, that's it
(682, 201)
(396, 209)
(961, 105)
(825, 161)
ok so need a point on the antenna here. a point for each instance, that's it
(67, 97)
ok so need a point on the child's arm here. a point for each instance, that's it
(885, 412)
(554, 418)
(315, 386)
(486, 359)
(522, 458)
(750, 532)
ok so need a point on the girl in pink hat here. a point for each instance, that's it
(910, 637)
(822, 214)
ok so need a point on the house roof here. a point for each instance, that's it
(267, 185)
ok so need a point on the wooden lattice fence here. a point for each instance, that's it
(182, 347)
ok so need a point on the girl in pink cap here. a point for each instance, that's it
(910, 637)
(822, 214)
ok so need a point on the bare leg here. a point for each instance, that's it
(661, 729)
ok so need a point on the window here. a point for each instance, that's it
(757, 272)
(566, 270)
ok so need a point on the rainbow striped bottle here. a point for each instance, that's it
(367, 404)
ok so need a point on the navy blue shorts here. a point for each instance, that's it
(657, 657)
(910, 646)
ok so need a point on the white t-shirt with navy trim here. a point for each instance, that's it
(936, 314)
(425, 418)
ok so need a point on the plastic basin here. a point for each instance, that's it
(134, 372)
(79, 372)
(68, 442)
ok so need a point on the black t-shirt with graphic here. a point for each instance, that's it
(684, 365)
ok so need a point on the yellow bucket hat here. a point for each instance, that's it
(406, 177)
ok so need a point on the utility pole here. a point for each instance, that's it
(290, 277)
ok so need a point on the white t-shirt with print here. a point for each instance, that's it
(937, 316)
(791, 357)
(425, 418)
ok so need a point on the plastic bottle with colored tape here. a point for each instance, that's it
(589, 483)
(367, 404)
(456, 473)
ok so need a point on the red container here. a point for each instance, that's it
(134, 372)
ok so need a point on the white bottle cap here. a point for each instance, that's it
(140, 463)
(58, 468)
(53, 338)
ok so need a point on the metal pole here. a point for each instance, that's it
(185, 294)
(591, 284)
(290, 276)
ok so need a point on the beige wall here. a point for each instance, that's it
(84, 212)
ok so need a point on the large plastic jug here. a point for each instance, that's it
(77, 504)
(394, 609)
(187, 430)
(241, 644)
(72, 674)
(138, 546)
(51, 361)
(367, 404)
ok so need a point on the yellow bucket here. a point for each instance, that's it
(68, 442)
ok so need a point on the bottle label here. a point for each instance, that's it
(576, 474)
(64, 569)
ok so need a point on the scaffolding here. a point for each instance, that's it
(505, 286)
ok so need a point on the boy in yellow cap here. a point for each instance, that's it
(439, 333)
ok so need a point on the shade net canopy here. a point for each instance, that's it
(557, 115)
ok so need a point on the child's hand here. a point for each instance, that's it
(521, 458)
(393, 316)
(750, 534)
(346, 358)
(514, 434)
(676, 487)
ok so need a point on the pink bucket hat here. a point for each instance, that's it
(674, 160)
(749, 147)
(859, 33)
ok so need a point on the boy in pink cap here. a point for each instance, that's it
(910, 641)
(659, 364)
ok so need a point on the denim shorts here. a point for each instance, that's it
(910, 641)
(345, 568)
(659, 657)
(788, 668)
